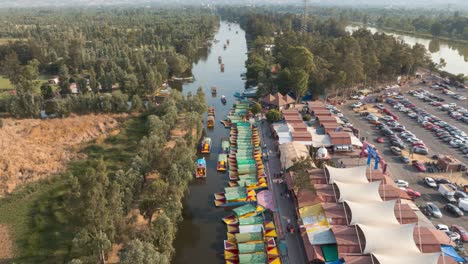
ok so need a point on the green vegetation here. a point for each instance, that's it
(99, 51)
(78, 215)
(273, 116)
(324, 61)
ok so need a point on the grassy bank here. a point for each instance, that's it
(36, 215)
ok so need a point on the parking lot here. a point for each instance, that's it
(398, 170)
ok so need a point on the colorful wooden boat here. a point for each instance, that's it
(210, 121)
(220, 60)
(222, 162)
(206, 145)
(225, 146)
(201, 168)
(234, 196)
(211, 111)
(223, 99)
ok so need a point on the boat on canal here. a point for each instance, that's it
(210, 121)
(238, 95)
(214, 90)
(234, 196)
(223, 99)
(226, 123)
(225, 145)
(201, 168)
(211, 111)
(252, 92)
(222, 67)
(206, 145)
(225, 46)
(222, 162)
(220, 60)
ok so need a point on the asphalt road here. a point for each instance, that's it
(398, 170)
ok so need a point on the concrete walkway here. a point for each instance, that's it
(285, 208)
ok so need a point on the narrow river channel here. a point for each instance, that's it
(455, 54)
(201, 233)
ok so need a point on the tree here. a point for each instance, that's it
(301, 177)
(436, 28)
(137, 103)
(82, 85)
(138, 252)
(163, 233)
(93, 83)
(256, 108)
(273, 115)
(178, 63)
(46, 91)
(154, 198)
(64, 81)
(299, 82)
(12, 67)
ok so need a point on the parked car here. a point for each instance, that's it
(420, 150)
(453, 209)
(442, 181)
(430, 182)
(395, 150)
(380, 140)
(405, 159)
(453, 236)
(419, 166)
(442, 227)
(412, 193)
(461, 231)
(356, 105)
(460, 195)
(433, 210)
(401, 183)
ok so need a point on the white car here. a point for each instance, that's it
(461, 98)
(401, 183)
(442, 227)
(430, 182)
(453, 236)
(356, 105)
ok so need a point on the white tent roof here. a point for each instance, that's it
(319, 140)
(417, 258)
(284, 137)
(348, 175)
(389, 239)
(381, 213)
(355, 141)
(359, 192)
(292, 151)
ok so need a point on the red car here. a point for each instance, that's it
(461, 231)
(380, 140)
(419, 166)
(418, 144)
(412, 193)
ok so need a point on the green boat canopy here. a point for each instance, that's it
(251, 247)
(246, 237)
(234, 189)
(231, 196)
(253, 220)
(247, 182)
(245, 209)
(241, 162)
(255, 258)
(247, 176)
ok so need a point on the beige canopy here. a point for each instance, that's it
(292, 151)
(416, 258)
(393, 239)
(359, 192)
(375, 213)
(347, 175)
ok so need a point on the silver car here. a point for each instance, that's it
(433, 210)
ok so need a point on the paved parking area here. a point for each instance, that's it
(398, 170)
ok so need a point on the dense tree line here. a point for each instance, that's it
(97, 51)
(324, 60)
(98, 200)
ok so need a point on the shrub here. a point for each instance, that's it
(273, 116)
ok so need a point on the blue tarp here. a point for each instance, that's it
(450, 251)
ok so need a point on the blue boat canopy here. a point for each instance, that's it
(201, 162)
(450, 251)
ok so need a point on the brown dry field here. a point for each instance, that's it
(32, 149)
(6, 245)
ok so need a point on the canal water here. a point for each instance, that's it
(200, 235)
(455, 54)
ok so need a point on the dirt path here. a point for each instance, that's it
(32, 149)
(6, 245)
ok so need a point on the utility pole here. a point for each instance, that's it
(304, 18)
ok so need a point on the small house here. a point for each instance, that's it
(340, 141)
(278, 101)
